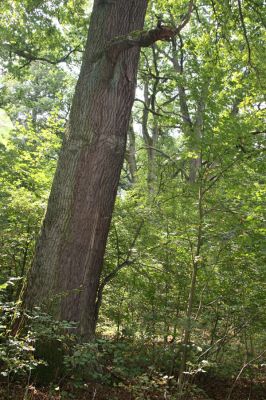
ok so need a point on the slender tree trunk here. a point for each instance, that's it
(192, 292)
(193, 129)
(152, 176)
(69, 254)
(197, 133)
(150, 139)
(131, 153)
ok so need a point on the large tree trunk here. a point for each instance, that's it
(69, 254)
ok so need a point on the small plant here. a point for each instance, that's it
(37, 344)
(16, 352)
(87, 362)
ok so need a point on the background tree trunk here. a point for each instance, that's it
(69, 254)
(131, 154)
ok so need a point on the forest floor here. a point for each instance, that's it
(208, 389)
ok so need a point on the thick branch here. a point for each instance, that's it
(185, 20)
(138, 39)
(146, 38)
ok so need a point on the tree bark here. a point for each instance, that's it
(68, 261)
(69, 254)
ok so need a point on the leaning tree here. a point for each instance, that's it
(66, 270)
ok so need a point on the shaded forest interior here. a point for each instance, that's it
(132, 220)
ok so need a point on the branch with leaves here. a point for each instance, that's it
(127, 261)
(119, 44)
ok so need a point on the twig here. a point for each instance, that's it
(149, 109)
(114, 272)
(94, 394)
(158, 151)
(242, 369)
(31, 57)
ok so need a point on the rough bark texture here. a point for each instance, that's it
(69, 254)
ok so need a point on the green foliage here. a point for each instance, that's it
(116, 361)
(43, 92)
(38, 344)
(16, 353)
(5, 126)
(165, 224)
(17, 357)
(40, 29)
(28, 161)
